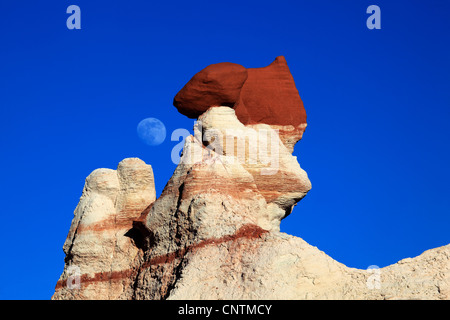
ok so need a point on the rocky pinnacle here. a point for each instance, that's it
(214, 232)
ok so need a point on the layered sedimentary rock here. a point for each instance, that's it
(259, 151)
(100, 251)
(213, 197)
(270, 265)
(214, 231)
(214, 234)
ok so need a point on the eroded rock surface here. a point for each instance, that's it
(265, 95)
(214, 231)
(217, 85)
(214, 234)
(100, 250)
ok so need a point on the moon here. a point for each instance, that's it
(151, 131)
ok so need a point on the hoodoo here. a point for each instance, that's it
(214, 231)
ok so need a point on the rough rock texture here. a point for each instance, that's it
(214, 234)
(259, 151)
(269, 96)
(270, 265)
(216, 85)
(99, 244)
(214, 231)
(259, 95)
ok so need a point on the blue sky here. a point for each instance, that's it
(378, 102)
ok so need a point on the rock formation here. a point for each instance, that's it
(259, 95)
(100, 245)
(214, 231)
(217, 85)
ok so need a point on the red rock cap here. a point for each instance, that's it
(259, 95)
(217, 85)
(269, 96)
